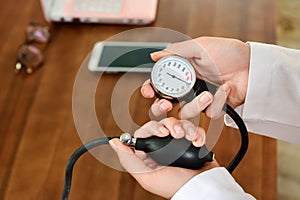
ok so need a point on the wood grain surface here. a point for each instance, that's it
(37, 128)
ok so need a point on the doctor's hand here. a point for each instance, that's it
(161, 180)
(220, 61)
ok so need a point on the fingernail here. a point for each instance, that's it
(205, 98)
(113, 145)
(154, 53)
(191, 133)
(197, 143)
(164, 106)
(146, 92)
(164, 130)
(179, 131)
(225, 87)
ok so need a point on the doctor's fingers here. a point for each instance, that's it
(146, 90)
(196, 106)
(187, 49)
(128, 159)
(185, 128)
(212, 104)
(146, 159)
(215, 109)
(159, 106)
(193, 133)
(151, 128)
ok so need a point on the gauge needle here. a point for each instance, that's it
(173, 76)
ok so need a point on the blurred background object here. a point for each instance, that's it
(288, 35)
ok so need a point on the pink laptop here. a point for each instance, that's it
(138, 12)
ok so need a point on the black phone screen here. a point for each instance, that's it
(127, 56)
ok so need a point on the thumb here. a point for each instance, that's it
(187, 49)
(160, 54)
(128, 159)
(214, 110)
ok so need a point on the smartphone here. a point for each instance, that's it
(109, 56)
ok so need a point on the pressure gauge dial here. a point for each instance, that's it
(173, 77)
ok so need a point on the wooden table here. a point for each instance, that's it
(37, 129)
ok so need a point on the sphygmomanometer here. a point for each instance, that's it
(172, 78)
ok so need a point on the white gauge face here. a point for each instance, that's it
(173, 76)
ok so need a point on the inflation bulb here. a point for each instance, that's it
(168, 151)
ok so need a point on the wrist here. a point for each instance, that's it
(239, 84)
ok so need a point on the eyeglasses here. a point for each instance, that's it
(29, 55)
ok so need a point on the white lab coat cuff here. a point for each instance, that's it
(264, 109)
(216, 183)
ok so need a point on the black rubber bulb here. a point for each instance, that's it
(168, 151)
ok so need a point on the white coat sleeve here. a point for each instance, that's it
(272, 104)
(213, 184)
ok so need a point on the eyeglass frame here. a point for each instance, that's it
(30, 56)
